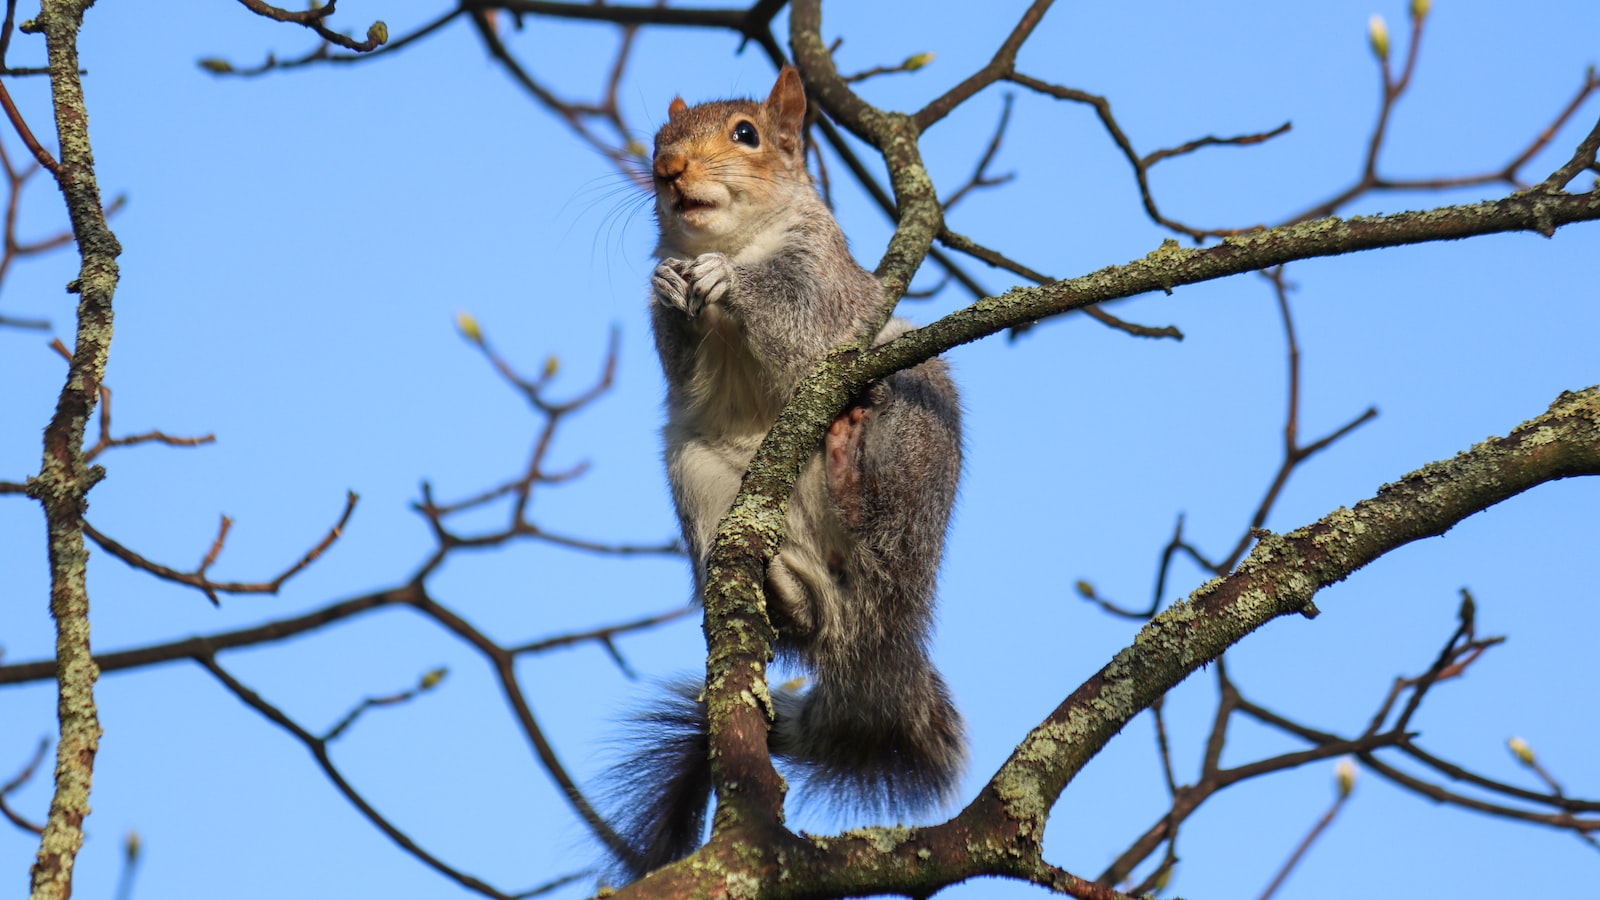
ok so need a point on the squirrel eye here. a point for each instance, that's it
(745, 133)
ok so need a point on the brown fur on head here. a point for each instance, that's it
(723, 170)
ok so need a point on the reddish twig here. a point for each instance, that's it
(106, 441)
(26, 133)
(199, 580)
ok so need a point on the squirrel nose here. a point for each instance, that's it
(670, 166)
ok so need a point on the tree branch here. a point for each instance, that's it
(65, 476)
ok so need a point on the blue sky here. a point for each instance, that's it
(296, 247)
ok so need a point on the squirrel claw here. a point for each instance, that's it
(710, 276)
(669, 288)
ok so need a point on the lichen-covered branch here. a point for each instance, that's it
(919, 216)
(1001, 831)
(65, 476)
(738, 632)
(1280, 577)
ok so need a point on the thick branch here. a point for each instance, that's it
(1170, 266)
(1279, 578)
(1001, 831)
(65, 476)
(919, 216)
(738, 632)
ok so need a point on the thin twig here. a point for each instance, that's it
(200, 581)
(17, 781)
(321, 54)
(314, 19)
(26, 133)
(319, 751)
(1304, 845)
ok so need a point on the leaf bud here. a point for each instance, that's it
(1378, 37)
(468, 326)
(431, 678)
(1344, 774)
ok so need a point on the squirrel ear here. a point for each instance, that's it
(787, 104)
(677, 108)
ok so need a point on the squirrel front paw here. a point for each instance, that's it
(669, 288)
(710, 276)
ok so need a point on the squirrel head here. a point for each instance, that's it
(727, 173)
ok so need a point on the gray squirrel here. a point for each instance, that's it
(755, 285)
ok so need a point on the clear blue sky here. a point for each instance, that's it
(296, 247)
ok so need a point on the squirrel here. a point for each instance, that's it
(754, 286)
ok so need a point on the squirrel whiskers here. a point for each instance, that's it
(755, 284)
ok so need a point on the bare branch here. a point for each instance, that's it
(1242, 140)
(26, 133)
(1281, 577)
(999, 66)
(321, 53)
(967, 245)
(106, 441)
(190, 648)
(604, 634)
(22, 778)
(65, 476)
(28, 324)
(314, 19)
(428, 682)
(318, 748)
(980, 177)
(199, 580)
(1305, 844)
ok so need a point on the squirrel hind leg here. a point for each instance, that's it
(660, 791)
(842, 448)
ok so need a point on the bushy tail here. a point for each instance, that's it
(879, 737)
(660, 792)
